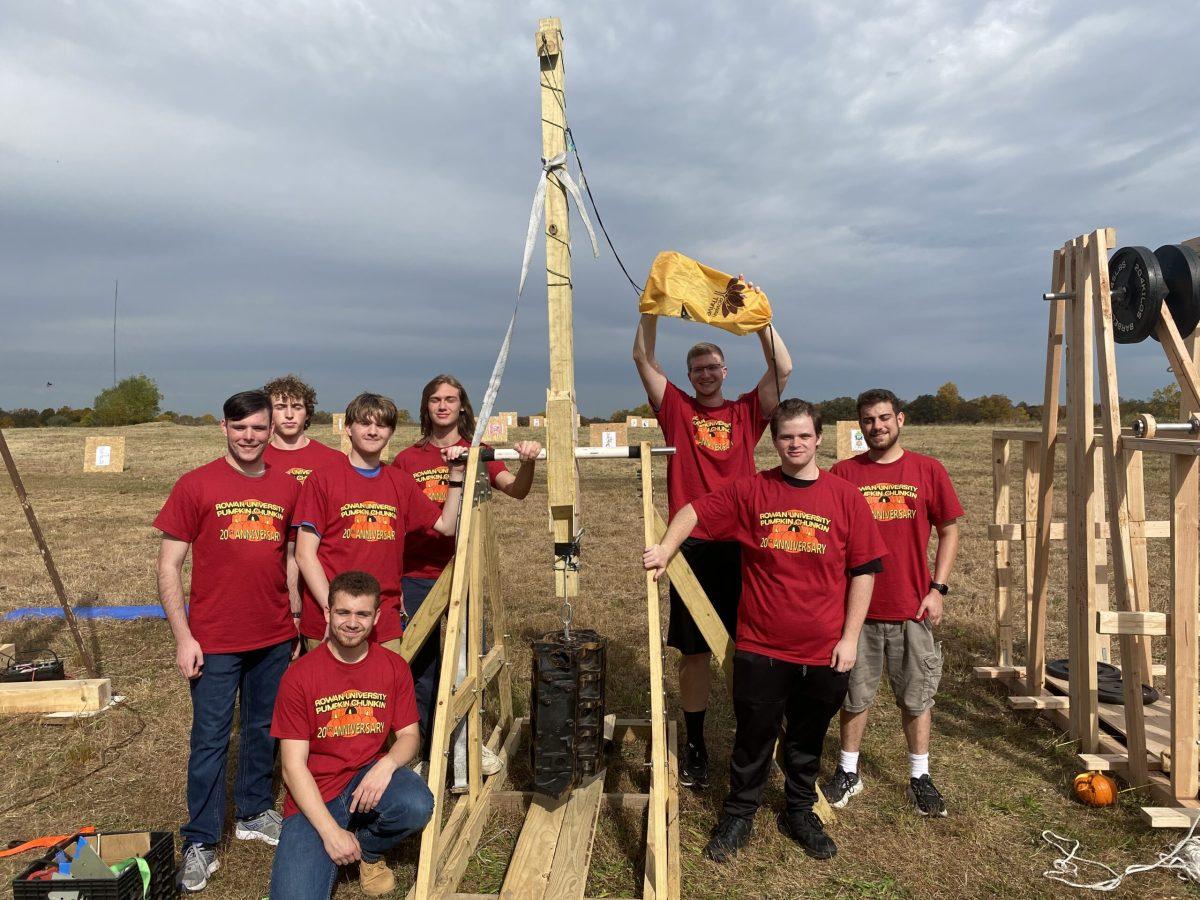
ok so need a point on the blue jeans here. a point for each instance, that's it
(303, 870)
(255, 675)
(427, 663)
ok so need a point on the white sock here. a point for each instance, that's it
(848, 761)
(918, 764)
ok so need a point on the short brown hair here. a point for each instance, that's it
(466, 415)
(702, 349)
(877, 395)
(355, 584)
(794, 409)
(290, 387)
(367, 407)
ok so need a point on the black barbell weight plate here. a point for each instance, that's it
(1181, 274)
(1135, 279)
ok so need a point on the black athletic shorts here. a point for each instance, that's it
(718, 568)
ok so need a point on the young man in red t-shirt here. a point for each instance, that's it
(235, 636)
(291, 449)
(810, 551)
(355, 515)
(347, 800)
(447, 420)
(910, 495)
(714, 442)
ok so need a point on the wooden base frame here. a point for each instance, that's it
(1155, 748)
(553, 851)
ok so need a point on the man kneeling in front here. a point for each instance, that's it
(347, 799)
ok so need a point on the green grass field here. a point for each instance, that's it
(1006, 776)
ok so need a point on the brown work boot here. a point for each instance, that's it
(376, 878)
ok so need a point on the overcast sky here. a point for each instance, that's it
(341, 189)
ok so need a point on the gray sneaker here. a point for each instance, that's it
(198, 863)
(264, 827)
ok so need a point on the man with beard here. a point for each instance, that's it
(714, 442)
(810, 551)
(235, 637)
(347, 800)
(909, 494)
(291, 449)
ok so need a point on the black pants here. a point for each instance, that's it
(765, 692)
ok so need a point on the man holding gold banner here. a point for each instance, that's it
(714, 440)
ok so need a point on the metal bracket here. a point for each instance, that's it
(567, 553)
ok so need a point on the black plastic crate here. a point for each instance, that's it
(126, 886)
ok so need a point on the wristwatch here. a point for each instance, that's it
(942, 589)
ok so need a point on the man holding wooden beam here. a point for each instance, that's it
(714, 440)
(810, 551)
(910, 495)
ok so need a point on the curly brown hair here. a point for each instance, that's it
(355, 584)
(290, 387)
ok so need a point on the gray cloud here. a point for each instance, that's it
(341, 189)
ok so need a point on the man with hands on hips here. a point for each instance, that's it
(810, 551)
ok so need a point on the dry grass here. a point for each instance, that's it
(1006, 777)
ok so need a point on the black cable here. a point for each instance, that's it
(587, 187)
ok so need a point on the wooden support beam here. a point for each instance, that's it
(1002, 574)
(657, 862)
(1055, 335)
(519, 801)
(1113, 762)
(1179, 358)
(1183, 656)
(71, 695)
(1046, 701)
(529, 872)
(1169, 817)
(1031, 459)
(991, 673)
(1139, 530)
(429, 617)
(1027, 531)
(1175, 446)
(1133, 623)
(1025, 435)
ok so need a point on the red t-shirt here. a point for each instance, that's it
(362, 522)
(301, 463)
(344, 710)
(907, 498)
(714, 445)
(238, 528)
(427, 552)
(798, 546)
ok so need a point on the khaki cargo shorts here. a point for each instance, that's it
(914, 665)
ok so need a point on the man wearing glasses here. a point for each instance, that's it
(714, 440)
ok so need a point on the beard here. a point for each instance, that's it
(883, 442)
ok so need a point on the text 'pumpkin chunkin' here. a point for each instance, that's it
(680, 287)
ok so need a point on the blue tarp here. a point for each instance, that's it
(146, 611)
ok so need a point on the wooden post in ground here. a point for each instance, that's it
(1002, 570)
(561, 411)
(657, 861)
(1081, 503)
(1183, 658)
(44, 549)
(1117, 498)
(1031, 457)
(1136, 493)
(1035, 663)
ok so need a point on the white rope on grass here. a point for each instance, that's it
(1183, 859)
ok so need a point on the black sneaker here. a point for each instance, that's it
(730, 835)
(806, 830)
(841, 787)
(926, 797)
(694, 771)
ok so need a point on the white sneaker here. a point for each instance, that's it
(491, 762)
(419, 767)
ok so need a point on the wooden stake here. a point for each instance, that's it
(1183, 658)
(561, 431)
(47, 558)
(658, 863)
(1002, 570)
(1117, 497)
(1055, 335)
(1032, 459)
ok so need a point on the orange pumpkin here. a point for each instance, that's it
(1095, 789)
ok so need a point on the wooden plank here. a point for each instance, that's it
(673, 888)
(1059, 276)
(104, 454)
(1179, 358)
(1001, 572)
(657, 862)
(1169, 817)
(474, 625)
(1112, 762)
(72, 695)
(1025, 435)
(429, 617)
(1127, 623)
(1139, 530)
(1183, 658)
(1027, 531)
(518, 801)
(1175, 446)
(500, 635)
(1031, 460)
(529, 872)
(573, 855)
(989, 673)
(1043, 702)
(1081, 499)
(456, 614)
